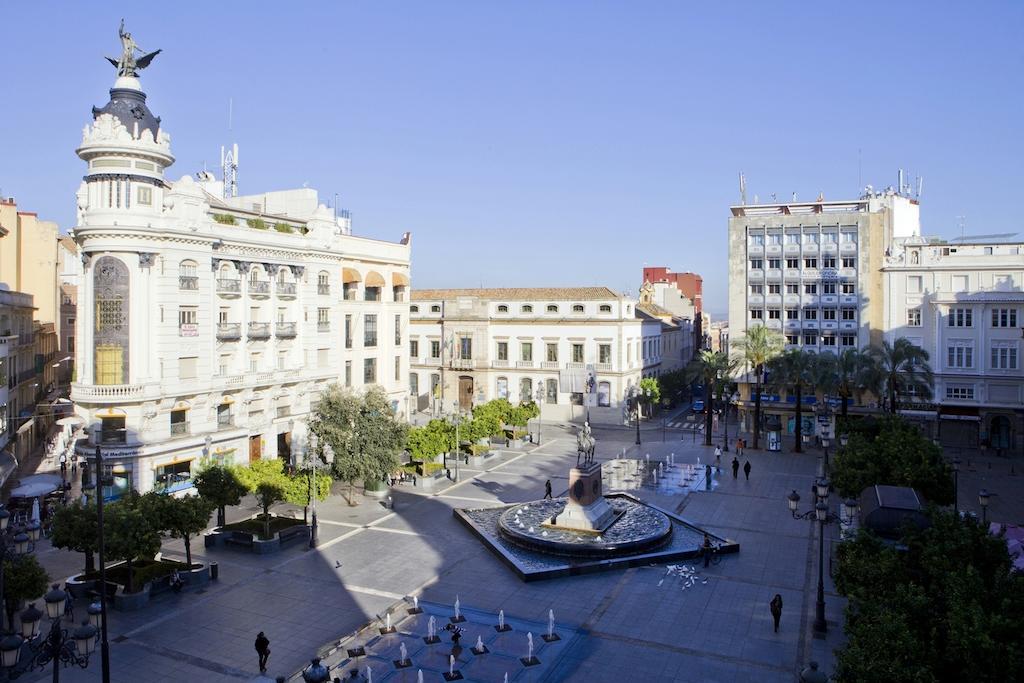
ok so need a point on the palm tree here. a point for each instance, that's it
(794, 371)
(902, 365)
(713, 368)
(756, 348)
(852, 374)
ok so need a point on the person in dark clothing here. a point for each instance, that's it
(263, 649)
(547, 489)
(735, 468)
(707, 550)
(746, 470)
(776, 607)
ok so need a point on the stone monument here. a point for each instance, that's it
(586, 509)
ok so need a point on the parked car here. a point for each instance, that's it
(698, 406)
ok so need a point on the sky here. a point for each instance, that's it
(543, 143)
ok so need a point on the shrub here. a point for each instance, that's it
(256, 223)
(224, 219)
(282, 227)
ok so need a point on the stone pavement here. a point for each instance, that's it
(634, 624)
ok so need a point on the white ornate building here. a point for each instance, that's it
(207, 326)
(468, 346)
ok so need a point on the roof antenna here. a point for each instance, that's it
(229, 158)
(963, 225)
(743, 188)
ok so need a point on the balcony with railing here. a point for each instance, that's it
(259, 288)
(849, 299)
(848, 247)
(285, 330)
(755, 299)
(773, 299)
(324, 326)
(603, 366)
(188, 283)
(229, 286)
(229, 331)
(525, 364)
(462, 364)
(500, 364)
(323, 289)
(286, 290)
(179, 428)
(259, 330)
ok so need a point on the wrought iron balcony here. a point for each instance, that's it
(259, 287)
(189, 282)
(259, 330)
(229, 331)
(286, 289)
(285, 330)
(229, 286)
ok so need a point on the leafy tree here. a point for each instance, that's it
(362, 432)
(75, 528)
(756, 349)
(131, 532)
(300, 488)
(942, 606)
(794, 371)
(24, 579)
(521, 415)
(268, 494)
(712, 368)
(673, 384)
(901, 365)
(892, 451)
(853, 370)
(179, 517)
(429, 441)
(494, 415)
(222, 487)
(259, 471)
(652, 389)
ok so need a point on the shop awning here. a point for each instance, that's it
(374, 279)
(399, 280)
(350, 275)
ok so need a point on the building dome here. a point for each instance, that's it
(128, 105)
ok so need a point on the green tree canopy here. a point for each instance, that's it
(222, 487)
(794, 371)
(269, 494)
(892, 451)
(756, 348)
(24, 579)
(712, 368)
(75, 528)
(429, 441)
(652, 388)
(900, 366)
(941, 607)
(362, 432)
(301, 487)
(131, 532)
(179, 517)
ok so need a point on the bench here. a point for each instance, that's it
(291, 533)
(239, 538)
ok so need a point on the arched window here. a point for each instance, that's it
(282, 276)
(323, 282)
(552, 308)
(525, 390)
(188, 275)
(503, 387)
(577, 308)
(502, 308)
(551, 393)
(414, 385)
(604, 394)
(414, 309)
(526, 308)
(606, 308)
(111, 333)
(435, 309)
(254, 274)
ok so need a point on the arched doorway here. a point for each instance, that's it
(465, 392)
(999, 432)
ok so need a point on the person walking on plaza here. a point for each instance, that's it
(735, 468)
(746, 470)
(707, 550)
(263, 649)
(547, 489)
(718, 455)
(776, 607)
(739, 446)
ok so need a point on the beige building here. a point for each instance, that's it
(28, 258)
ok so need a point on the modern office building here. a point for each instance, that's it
(468, 346)
(208, 324)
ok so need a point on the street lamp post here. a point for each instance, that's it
(457, 419)
(725, 429)
(100, 551)
(14, 541)
(540, 408)
(59, 646)
(983, 496)
(956, 486)
(820, 514)
(315, 488)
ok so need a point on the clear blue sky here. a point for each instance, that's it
(543, 143)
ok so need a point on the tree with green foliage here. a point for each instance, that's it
(179, 517)
(24, 579)
(259, 471)
(222, 487)
(427, 442)
(521, 414)
(713, 368)
(900, 366)
(852, 376)
(941, 606)
(362, 432)
(75, 528)
(651, 391)
(673, 384)
(892, 451)
(268, 494)
(756, 348)
(794, 372)
(131, 532)
(493, 416)
(302, 486)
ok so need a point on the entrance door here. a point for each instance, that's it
(999, 432)
(284, 447)
(465, 393)
(254, 448)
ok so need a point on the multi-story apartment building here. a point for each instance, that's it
(675, 346)
(28, 258)
(813, 271)
(963, 303)
(679, 293)
(468, 346)
(69, 271)
(208, 325)
(20, 383)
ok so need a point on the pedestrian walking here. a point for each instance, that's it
(547, 489)
(263, 649)
(776, 607)
(63, 466)
(735, 468)
(739, 446)
(718, 455)
(69, 604)
(746, 470)
(707, 549)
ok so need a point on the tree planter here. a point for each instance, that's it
(431, 482)
(79, 587)
(375, 489)
(221, 537)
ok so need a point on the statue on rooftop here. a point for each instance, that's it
(128, 65)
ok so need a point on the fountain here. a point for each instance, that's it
(415, 606)
(388, 628)
(452, 674)
(369, 675)
(551, 636)
(419, 675)
(479, 648)
(432, 636)
(502, 627)
(403, 661)
(529, 659)
(458, 618)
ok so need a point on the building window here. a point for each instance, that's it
(605, 308)
(774, 314)
(369, 370)
(828, 340)
(849, 288)
(179, 422)
(224, 415)
(502, 387)
(1001, 317)
(187, 321)
(849, 237)
(525, 390)
(793, 263)
(551, 394)
(465, 348)
(526, 351)
(224, 365)
(960, 392)
(577, 353)
(792, 289)
(810, 340)
(552, 308)
(913, 317)
(254, 362)
(323, 319)
(849, 340)
(756, 263)
(775, 289)
(811, 288)
(188, 276)
(960, 355)
(756, 240)
(144, 196)
(551, 353)
(757, 289)
(502, 350)
(828, 314)
(414, 309)
(577, 308)
(502, 308)
(792, 339)
(112, 430)
(793, 238)
(323, 358)
(960, 317)
(370, 330)
(414, 385)
(187, 367)
(371, 294)
(348, 331)
(756, 314)
(849, 314)
(435, 309)
(828, 262)
(414, 348)
(849, 262)
(398, 368)
(604, 353)
(792, 314)
(604, 394)
(398, 329)
(914, 284)
(810, 314)
(526, 308)
(810, 263)
(774, 263)
(435, 349)
(348, 373)
(828, 288)
(111, 335)
(1004, 356)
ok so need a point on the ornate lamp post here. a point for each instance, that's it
(59, 646)
(983, 496)
(821, 514)
(314, 460)
(457, 420)
(316, 672)
(14, 541)
(956, 486)
(540, 408)
(100, 552)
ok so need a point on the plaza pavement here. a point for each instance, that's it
(634, 624)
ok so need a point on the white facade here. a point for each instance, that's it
(207, 327)
(963, 303)
(475, 345)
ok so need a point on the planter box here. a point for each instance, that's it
(130, 602)
(218, 538)
(431, 482)
(377, 490)
(79, 587)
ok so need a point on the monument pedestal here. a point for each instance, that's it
(586, 509)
